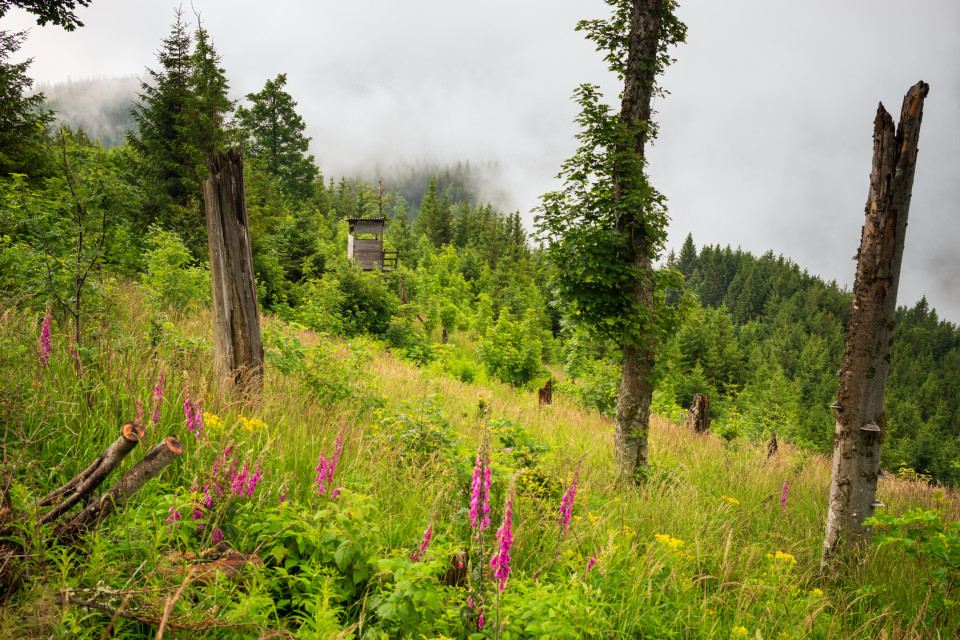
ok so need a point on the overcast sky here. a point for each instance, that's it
(766, 136)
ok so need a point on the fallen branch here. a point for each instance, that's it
(83, 484)
(131, 482)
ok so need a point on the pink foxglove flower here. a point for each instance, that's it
(423, 545)
(480, 492)
(194, 415)
(590, 565)
(217, 535)
(45, 347)
(501, 559)
(157, 398)
(566, 504)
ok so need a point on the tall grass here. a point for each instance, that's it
(714, 571)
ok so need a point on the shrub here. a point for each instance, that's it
(174, 282)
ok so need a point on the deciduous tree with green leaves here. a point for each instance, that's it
(607, 225)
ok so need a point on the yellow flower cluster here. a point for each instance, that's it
(729, 499)
(212, 421)
(669, 541)
(738, 632)
(816, 593)
(253, 424)
(781, 558)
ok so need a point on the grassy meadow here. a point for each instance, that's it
(718, 541)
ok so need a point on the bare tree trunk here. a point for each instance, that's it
(636, 379)
(859, 409)
(238, 349)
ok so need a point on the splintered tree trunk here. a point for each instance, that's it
(238, 349)
(636, 379)
(698, 420)
(859, 409)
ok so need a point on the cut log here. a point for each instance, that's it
(84, 483)
(237, 345)
(131, 482)
(859, 407)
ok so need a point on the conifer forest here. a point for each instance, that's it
(241, 397)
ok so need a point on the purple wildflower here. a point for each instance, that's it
(45, 348)
(254, 480)
(590, 565)
(423, 546)
(194, 415)
(157, 398)
(480, 492)
(501, 560)
(139, 419)
(217, 535)
(480, 621)
(283, 496)
(323, 474)
(783, 495)
(566, 504)
(174, 516)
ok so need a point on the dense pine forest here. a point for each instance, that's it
(399, 437)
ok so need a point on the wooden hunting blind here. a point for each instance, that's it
(367, 251)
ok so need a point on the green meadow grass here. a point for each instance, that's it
(703, 548)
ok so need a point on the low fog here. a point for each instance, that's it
(766, 134)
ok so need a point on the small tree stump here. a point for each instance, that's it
(698, 420)
(772, 445)
(545, 395)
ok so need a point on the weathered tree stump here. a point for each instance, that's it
(237, 345)
(772, 446)
(545, 395)
(859, 407)
(698, 419)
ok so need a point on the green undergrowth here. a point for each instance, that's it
(329, 483)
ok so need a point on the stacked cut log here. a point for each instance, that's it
(80, 489)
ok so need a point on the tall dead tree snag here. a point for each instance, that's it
(238, 349)
(859, 408)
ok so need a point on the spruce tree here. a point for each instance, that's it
(22, 121)
(209, 86)
(180, 122)
(168, 158)
(275, 133)
(687, 261)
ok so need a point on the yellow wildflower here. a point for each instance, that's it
(816, 593)
(729, 499)
(738, 632)
(782, 558)
(669, 541)
(212, 421)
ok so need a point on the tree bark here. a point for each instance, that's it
(698, 420)
(238, 349)
(636, 379)
(131, 482)
(859, 408)
(84, 483)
